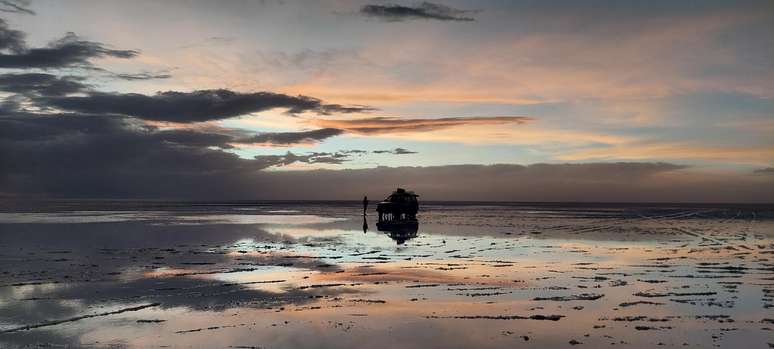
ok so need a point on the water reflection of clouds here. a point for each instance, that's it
(300, 232)
(238, 284)
(160, 217)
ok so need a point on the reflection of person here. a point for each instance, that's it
(365, 205)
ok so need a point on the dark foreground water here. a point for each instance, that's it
(316, 275)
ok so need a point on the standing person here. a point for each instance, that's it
(365, 204)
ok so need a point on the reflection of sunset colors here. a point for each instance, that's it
(485, 275)
(386, 174)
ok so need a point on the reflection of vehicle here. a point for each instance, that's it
(401, 205)
(400, 231)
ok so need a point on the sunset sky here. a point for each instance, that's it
(613, 100)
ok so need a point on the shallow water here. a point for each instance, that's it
(282, 275)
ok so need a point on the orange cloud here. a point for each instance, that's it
(392, 125)
(634, 151)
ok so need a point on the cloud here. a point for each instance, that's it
(718, 47)
(336, 158)
(396, 151)
(196, 106)
(638, 150)
(194, 138)
(226, 138)
(108, 146)
(425, 10)
(41, 84)
(356, 151)
(16, 6)
(93, 156)
(582, 182)
(96, 147)
(10, 39)
(69, 51)
(169, 106)
(142, 76)
(387, 125)
(97, 156)
(291, 138)
(765, 171)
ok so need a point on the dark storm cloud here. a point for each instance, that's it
(69, 51)
(28, 128)
(193, 138)
(41, 84)
(396, 151)
(225, 138)
(290, 138)
(102, 147)
(425, 10)
(97, 156)
(16, 6)
(196, 106)
(381, 125)
(765, 171)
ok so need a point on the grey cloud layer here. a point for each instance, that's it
(396, 151)
(16, 6)
(196, 106)
(74, 155)
(93, 155)
(588, 182)
(86, 155)
(69, 51)
(225, 138)
(142, 76)
(10, 39)
(425, 10)
(41, 84)
(288, 138)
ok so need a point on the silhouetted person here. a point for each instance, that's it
(365, 204)
(365, 225)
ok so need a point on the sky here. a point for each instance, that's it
(458, 100)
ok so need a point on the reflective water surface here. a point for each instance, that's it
(285, 275)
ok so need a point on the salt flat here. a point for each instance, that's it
(279, 275)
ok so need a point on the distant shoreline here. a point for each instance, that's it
(179, 203)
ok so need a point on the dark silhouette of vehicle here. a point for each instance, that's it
(401, 205)
(399, 231)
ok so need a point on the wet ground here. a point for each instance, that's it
(299, 275)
